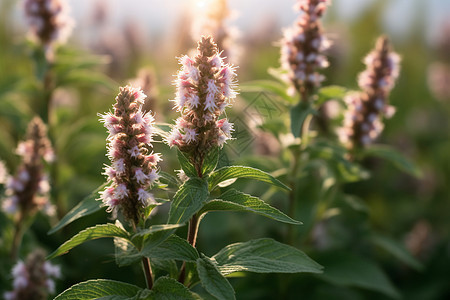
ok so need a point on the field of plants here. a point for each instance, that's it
(308, 161)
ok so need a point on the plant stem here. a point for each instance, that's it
(17, 238)
(192, 239)
(304, 134)
(148, 272)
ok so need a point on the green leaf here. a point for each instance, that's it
(186, 165)
(172, 248)
(188, 200)
(233, 200)
(91, 233)
(397, 250)
(155, 228)
(86, 78)
(125, 252)
(268, 86)
(330, 92)
(211, 160)
(231, 172)
(98, 288)
(213, 281)
(169, 179)
(87, 206)
(344, 269)
(264, 256)
(166, 288)
(395, 157)
(299, 113)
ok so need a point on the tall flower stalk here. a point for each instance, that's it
(27, 192)
(363, 118)
(302, 56)
(205, 87)
(133, 168)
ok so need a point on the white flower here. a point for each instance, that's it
(190, 135)
(140, 176)
(121, 191)
(153, 176)
(119, 166)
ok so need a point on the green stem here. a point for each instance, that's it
(304, 134)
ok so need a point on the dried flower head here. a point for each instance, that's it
(133, 167)
(363, 118)
(28, 190)
(303, 45)
(49, 21)
(33, 279)
(205, 87)
(210, 20)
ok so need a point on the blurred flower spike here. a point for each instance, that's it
(363, 118)
(49, 22)
(302, 48)
(33, 279)
(28, 190)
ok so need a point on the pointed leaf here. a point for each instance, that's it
(264, 256)
(166, 288)
(172, 248)
(213, 281)
(233, 200)
(394, 157)
(346, 269)
(188, 200)
(231, 172)
(99, 231)
(211, 160)
(299, 113)
(186, 165)
(98, 288)
(155, 228)
(87, 206)
(397, 250)
(330, 92)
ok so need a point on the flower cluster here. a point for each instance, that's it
(363, 118)
(28, 190)
(211, 20)
(33, 279)
(303, 45)
(205, 87)
(49, 21)
(133, 168)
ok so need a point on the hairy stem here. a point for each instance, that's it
(17, 239)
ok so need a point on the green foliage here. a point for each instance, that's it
(166, 288)
(397, 159)
(345, 269)
(91, 233)
(212, 279)
(264, 256)
(233, 200)
(85, 207)
(231, 172)
(186, 165)
(299, 113)
(188, 200)
(99, 288)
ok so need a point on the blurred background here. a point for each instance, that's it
(138, 41)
